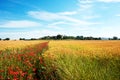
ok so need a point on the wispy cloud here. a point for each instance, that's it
(85, 4)
(68, 13)
(109, 1)
(43, 15)
(118, 15)
(48, 16)
(86, 9)
(56, 25)
(91, 17)
(19, 24)
(85, 1)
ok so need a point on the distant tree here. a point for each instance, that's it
(68, 37)
(91, 38)
(0, 39)
(59, 37)
(53, 37)
(22, 39)
(85, 38)
(79, 38)
(71, 37)
(99, 38)
(109, 39)
(46, 38)
(7, 39)
(115, 38)
(65, 37)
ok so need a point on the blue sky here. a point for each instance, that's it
(37, 18)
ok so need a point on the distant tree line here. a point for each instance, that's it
(6, 39)
(114, 38)
(64, 37)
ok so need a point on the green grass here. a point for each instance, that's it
(74, 60)
(72, 67)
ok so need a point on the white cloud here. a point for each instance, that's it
(87, 9)
(118, 15)
(48, 16)
(91, 16)
(43, 15)
(85, 4)
(56, 25)
(68, 13)
(19, 24)
(109, 1)
(85, 1)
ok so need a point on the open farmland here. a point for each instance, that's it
(86, 60)
(22, 63)
(62, 60)
(59, 39)
(17, 44)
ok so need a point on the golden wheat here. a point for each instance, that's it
(17, 44)
(87, 48)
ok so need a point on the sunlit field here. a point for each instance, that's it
(23, 63)
(86, 60)
(60, 60)
(17, 44)
(86, 48)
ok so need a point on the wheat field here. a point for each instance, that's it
(60, 60)
(17, 44)
(86, 60)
